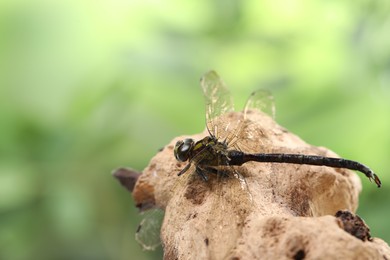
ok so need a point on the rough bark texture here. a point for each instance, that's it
(284, 211)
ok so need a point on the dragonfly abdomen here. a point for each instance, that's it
(239, 158)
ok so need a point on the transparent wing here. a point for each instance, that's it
(251, 138)
(224, 192)
(262, 100)
(148, 232)
(218, 103)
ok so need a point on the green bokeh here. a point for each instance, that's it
(87, 86)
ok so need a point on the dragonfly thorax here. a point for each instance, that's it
(207, 151)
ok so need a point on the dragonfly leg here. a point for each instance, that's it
(201, 172)
(184, 169)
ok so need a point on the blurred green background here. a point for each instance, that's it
(87, 86)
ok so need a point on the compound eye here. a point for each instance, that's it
(182, 149)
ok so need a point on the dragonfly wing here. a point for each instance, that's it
(218, 102)
(148, 232)
(250, 135)
(262, 100)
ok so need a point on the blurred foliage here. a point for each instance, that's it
(87, 86)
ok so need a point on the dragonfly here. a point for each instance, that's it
(223, 149)
(220, 148)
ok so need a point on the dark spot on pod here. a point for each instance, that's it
(138, 228)
(300, 255)
(353, 225)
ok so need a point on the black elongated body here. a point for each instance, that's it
(239, 158)
(209, 153)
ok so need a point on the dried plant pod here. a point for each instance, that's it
(289, 213)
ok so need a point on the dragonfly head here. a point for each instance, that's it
(183, 149)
